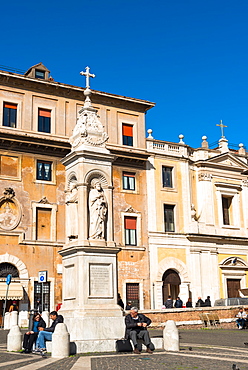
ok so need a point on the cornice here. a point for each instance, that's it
(73, 92)
(222, 239)
(32, 143)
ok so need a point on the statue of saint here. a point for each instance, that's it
(72, 212)
(98, 210)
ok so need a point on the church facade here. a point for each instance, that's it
(198, 224)
(176, 215)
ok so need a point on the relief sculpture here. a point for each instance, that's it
(9, 210)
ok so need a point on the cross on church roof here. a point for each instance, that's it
(87, 74)
(222, 129)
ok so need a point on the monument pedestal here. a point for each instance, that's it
(90, 309)
(93, 318)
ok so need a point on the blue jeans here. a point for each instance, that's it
(241, 322)
(42, 337)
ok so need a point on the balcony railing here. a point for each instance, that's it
(167, 148)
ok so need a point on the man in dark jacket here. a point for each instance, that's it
(200, 303)
(169, 302)
(136, 328)
(207, 302)
(178, 303)
(46, 334)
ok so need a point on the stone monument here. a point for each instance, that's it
(90, 309)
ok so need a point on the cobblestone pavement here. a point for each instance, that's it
(212, 349)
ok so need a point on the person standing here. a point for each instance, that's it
(38, 306)
(189, 303)
(178, 303)
(120, 301)
(169, 302)
(128, 306)
(13, 307)
(200, 303)
(207, 302)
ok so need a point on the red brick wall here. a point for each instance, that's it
(189, 314)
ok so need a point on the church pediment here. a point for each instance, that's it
(226, 160)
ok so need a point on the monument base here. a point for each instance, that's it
(94, 330)
(91, 314)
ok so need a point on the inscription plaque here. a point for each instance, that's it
(101, 280)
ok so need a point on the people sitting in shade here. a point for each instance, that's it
(189, 303)
(46, 334)
(207, 302)
(128, 306)
(241, 318)
(178, 303)
(120, 301)
(31, 335)
(169, 302)
(136, 328)
(200, 303)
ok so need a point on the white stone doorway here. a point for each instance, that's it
(234, 270)
(179, 269)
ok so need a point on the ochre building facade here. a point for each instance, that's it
(38, 117)
(180, 215)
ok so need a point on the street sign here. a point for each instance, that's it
(8, 279)
(42, 276)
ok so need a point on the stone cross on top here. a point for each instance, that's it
(87, 74)
(222, 129)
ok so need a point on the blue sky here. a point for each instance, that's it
(190, 57)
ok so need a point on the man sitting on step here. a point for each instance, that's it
(46, 334)
(136, 328)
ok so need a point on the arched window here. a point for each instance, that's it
(171, 284)
(7, 268)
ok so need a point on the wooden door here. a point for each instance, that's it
(132, 294)
(233, 286)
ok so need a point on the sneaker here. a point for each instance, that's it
(136, 350)
(240, 328)
(37, 350)
(148, 350)
(43, 350)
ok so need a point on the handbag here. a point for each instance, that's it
(123, 345)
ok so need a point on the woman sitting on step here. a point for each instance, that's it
(31, 336)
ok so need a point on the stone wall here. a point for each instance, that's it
(190, 316)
